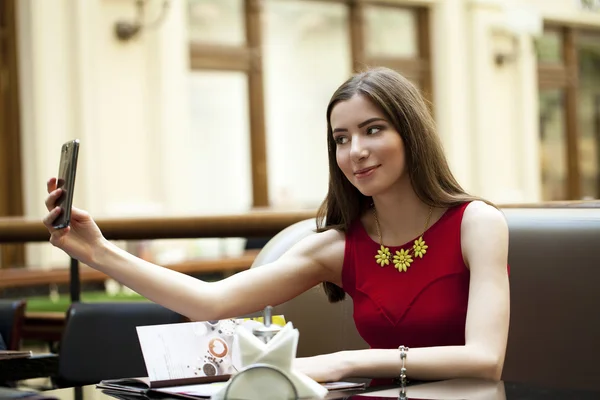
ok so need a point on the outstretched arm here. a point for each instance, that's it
(311, 261)
(484, 236)
(305, 265)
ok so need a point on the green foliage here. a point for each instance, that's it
(61, 304)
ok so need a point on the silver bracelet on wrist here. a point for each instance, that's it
(403, 352)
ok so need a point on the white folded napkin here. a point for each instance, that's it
(265, 384)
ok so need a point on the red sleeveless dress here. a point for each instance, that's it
(423, 307)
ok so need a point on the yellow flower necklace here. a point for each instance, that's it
(403, 258)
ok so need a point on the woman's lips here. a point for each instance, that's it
(365, 172)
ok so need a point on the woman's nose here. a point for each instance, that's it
(358, 150)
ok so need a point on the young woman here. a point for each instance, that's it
(425, 263)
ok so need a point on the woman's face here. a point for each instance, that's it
(369, 150)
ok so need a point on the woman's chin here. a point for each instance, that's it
(367, 191)
(373, 190)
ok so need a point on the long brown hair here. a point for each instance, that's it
(426, 164)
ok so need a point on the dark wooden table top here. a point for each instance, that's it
(467, 389)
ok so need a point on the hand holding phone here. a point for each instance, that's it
(71, 230)
(66, 182)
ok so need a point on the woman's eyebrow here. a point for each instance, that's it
(369, 121)
(359, 125)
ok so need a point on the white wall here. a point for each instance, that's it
(501, 137)
(486, 113)
(126, 101)
(306, 57)
(451, 80)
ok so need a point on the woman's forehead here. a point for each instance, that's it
(351, 112)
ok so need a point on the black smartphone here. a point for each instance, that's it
(66, 182)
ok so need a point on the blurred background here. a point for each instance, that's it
(203, 107)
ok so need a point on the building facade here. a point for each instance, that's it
(219, 106)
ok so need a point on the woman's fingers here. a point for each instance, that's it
(52, 198)
(80, 213)
(51, 217)
(53, 193)
(58, 234)
(51, 185)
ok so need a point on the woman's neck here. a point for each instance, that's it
(400, 212)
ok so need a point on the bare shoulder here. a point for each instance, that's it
(484, 234)
(325, 249)
(480, 214)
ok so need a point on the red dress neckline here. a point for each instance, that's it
(433, 227)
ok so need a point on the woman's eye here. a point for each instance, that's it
(373, 130)
(340, 139)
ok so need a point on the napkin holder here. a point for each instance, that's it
(257, 380)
